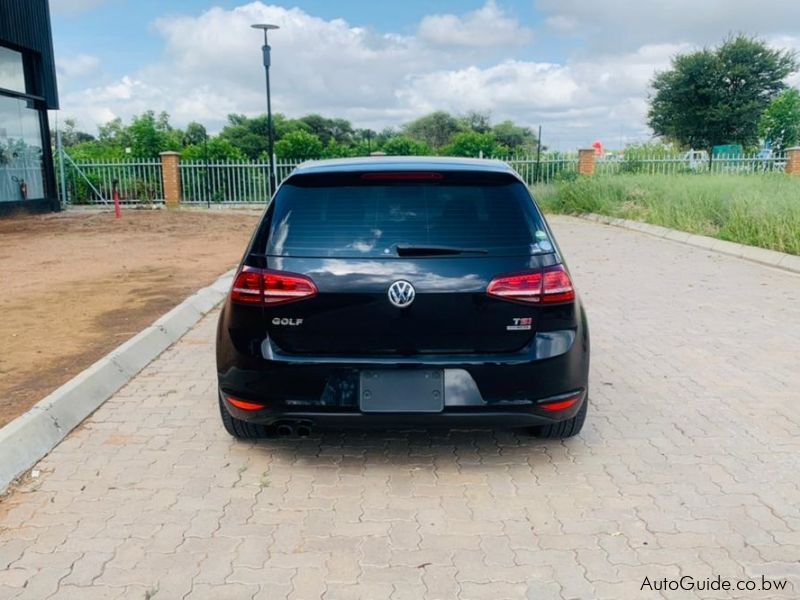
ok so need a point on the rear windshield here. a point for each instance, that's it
(369, 215)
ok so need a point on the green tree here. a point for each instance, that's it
(477, 121)
(780, 123)
(401, 145)
(435, 129)
(384, 135)
(473, 144)
(217, 149)
(150, 134)
(114, 133)
(341, 130)
(299, 145)
(515, 137)
(361, 148)
(248, 135)
(335, 149)
(326, 129)
(717, 96)
(364, 142)
(93, 151)
(195, 134)
(283, 125)
(318, 126)
(71, 135)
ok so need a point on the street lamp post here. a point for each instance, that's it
(270, 135)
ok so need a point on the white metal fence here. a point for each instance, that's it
(544, 169)
(231, 182)
(691, 162)
(136, 181)
(242, 182)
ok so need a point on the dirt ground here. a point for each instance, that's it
(76, 285)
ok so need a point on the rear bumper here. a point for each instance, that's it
(450, 417)
(501, 390)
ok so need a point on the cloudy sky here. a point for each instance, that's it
(579, 68)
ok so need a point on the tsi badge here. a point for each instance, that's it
(286, 321)
(521, 324)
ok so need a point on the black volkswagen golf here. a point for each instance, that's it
(387, 292)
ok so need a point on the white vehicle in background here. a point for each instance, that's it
(696, 160)
(770, 160)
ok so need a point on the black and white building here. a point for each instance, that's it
(27, 90)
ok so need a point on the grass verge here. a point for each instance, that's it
(758, 210)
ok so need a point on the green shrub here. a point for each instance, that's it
(758, 210)
(299, 145)
(405, 146)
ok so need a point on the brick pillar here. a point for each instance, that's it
(170, 175)
(793, 161)
(586, 161)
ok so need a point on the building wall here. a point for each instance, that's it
(27, 178)
(25, 24)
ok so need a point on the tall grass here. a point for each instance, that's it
(758, 210)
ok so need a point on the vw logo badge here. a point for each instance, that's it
(401, 294)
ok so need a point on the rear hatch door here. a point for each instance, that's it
(437, 237)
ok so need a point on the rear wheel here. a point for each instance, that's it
(242, 430)
(563, 429)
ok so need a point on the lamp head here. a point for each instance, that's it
(265, 27)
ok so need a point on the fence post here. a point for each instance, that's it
(586, 161)
(171, 178)
(793, 161)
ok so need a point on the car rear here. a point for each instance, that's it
(402, 292)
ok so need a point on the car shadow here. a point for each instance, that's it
(417, 447)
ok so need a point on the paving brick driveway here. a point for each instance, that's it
(688, 466)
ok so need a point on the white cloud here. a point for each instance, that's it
(576, 102)
(75, 67)
(74, 6)
(625, 24)
(317, 65)
(212, 65)
(486, 27)
(562, 24)
(791, 42)
(510, 85)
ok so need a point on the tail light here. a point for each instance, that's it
(243, 404)
(560, 403)
(265, 287)
(551, 285)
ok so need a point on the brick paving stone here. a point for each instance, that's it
(689, 465)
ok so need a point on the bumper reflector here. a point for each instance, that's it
(562, 403)
(243, 405)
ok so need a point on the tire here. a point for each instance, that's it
(564, 429)
(242, 430)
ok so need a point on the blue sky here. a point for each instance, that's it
(71, 25)
(581, 69)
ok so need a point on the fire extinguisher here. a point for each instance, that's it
(23, 187)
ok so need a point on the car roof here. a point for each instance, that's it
(403, 163)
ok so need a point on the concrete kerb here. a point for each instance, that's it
(31, 436)
(780, 260)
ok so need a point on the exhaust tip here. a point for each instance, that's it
(285, 430)
(304, 431)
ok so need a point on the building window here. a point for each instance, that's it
(12, 70)
(21, 153)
